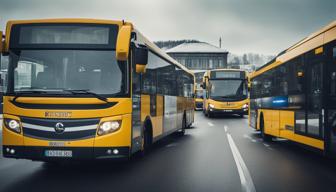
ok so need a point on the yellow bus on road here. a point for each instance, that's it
(89, 89)
(226, 91)
(198, 99)
(294, 95)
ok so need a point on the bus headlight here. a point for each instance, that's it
(245, 106)
(211, 105)
(108, 127)
(13, 125)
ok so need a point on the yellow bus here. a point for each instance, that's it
(198, 99)
(89, 89)
(226, 91)
(198, 89)
(293, 96)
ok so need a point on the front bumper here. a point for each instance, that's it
(229, 111)
(198, 105)
(78, 153)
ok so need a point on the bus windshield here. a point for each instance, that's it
(230, 89)
(50, 71)
(199, 94)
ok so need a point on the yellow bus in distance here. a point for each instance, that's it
(294, 95)
(89, 89)
(226, 92)
(198, 99)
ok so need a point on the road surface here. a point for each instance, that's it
(218, 154)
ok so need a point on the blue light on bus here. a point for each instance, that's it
(280, 101)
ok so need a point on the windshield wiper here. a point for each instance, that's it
(21, 93)
(86, 91)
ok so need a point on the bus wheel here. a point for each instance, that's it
(264, 136)
(241, 115)
(210, 115)
(146, 139)
(184, 126)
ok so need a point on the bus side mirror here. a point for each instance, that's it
(141, 58)
(203, 85)
(123, 43)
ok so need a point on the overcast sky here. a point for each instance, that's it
(259, 26)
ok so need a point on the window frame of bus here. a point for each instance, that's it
(111, 45)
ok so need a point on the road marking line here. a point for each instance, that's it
(244, 174)
(266, 145)
(253, 140)
(225, 128)
(210, 124)
(247, 136)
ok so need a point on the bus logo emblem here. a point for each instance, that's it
(59, 128)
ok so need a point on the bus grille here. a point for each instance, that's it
(67, 129)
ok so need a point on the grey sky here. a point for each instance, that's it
(259, 26)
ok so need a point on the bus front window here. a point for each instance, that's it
(199, 94)
(96, 71)
(228, 90)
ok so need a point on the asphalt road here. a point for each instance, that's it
(219, 154)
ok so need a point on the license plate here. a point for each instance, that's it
(227, 110)
(58, 153)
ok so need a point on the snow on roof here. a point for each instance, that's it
(200, 47)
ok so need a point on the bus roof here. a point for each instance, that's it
(313, 41)
(140, 38)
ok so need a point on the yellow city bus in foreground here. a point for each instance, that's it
(294, 95)
(226, 91)
(89, 89)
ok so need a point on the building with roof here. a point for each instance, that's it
(199, 56)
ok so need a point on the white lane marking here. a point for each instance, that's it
(266, 145)
(253, 140)
(247, 136)
(210, 124)
(171, 145)
(244, 174)
(225, 128)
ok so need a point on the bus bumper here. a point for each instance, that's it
(198, 106)
(77, 153)
(229, 111)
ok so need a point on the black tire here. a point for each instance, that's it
(241, 115)
(184, 126)
(210, 114)
(146, 141)
(264, 136)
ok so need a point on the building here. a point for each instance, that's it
(199, 56)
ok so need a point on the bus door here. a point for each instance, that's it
(314, 88)
(331, 98)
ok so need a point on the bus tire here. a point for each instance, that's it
(264, 136)
(184, 126)
(210, 114)
(241, 115)
(146, 138)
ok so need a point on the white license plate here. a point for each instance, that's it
(227, 110)
(58, 153)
